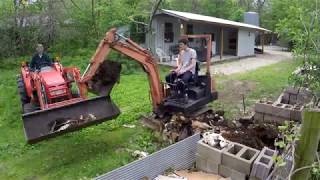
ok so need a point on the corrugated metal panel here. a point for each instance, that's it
(180, 155)
(199, 17)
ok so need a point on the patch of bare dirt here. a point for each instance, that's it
(233, 90)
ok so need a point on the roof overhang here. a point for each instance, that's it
(186, 16)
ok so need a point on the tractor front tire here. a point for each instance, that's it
(22, 91)
(29, 107)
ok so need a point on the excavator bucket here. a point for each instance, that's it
(44, 124)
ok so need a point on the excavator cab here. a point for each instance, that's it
(197, 93)
(195, 96)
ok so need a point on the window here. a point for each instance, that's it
(168, 32)
(212, 36)
(190, 31)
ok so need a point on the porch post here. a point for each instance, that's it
(221, 43)
(262, 41)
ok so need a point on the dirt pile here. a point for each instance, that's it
(243, 130)
(255, 135)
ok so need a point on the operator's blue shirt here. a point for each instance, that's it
(39, 61)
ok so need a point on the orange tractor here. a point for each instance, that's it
(55, 99)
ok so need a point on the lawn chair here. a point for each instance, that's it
(162, 56)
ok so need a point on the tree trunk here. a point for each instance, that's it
(15, 28)
(93, 14)
(308, 144)
(195, 6)
(51, 23)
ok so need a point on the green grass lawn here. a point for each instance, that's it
(263, 83)
(99, 149)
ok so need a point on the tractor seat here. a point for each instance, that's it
(194, 79)
(46, 69)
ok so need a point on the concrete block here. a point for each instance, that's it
(268, 152)
(212, 167)
(285, 98)
(274, 119)
(209, 152)
(239, 157)
(262, 167)
(258, 117)
(292, 90)
(225, 171)
(296, 113)
(206, 165)
(304, 96)
(201, 163)
(263, 107)
(230, 154)
(293, 99)
(283, 171)
(281, 110)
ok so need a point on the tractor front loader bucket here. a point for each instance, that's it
(44, 124)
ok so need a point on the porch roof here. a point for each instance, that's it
(209, 19)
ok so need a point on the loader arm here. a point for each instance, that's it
(125, 46)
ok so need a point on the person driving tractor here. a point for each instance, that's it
(186, 65)
(40, 59)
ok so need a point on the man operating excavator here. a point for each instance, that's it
(186, 67)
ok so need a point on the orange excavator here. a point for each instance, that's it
(57, 114)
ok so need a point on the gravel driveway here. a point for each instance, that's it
(271, 55)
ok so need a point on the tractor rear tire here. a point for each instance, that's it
(22, 91)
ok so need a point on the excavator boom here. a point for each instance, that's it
(127, 47)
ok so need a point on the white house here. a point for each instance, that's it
(229, 38)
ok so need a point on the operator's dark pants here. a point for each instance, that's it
(185, 78)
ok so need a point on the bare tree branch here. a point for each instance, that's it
(75, 5)
(154, 10)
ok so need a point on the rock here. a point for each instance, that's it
(200, 125)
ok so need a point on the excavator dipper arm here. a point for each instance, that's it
(127, 47)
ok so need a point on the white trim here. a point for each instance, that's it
(198, 17)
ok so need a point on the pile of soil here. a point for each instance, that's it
(255, 135)
(244, 131)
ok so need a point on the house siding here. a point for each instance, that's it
(244, 42)
(158, 29)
